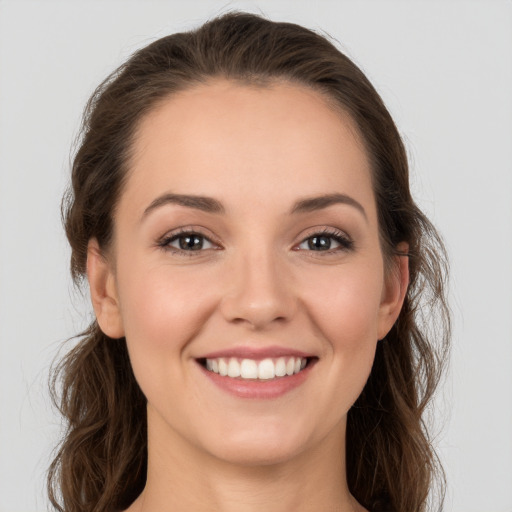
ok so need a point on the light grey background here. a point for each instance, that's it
(444, 69)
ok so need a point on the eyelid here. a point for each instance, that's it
(341, 237)
(164, 240)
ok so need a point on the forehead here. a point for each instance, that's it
(236, 141)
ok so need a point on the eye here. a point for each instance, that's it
(186, 241)
(326, 241)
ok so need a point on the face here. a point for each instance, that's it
(246, 237)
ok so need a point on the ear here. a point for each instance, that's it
(394, 290)
(103, 288)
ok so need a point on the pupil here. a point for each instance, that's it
(193, 242)
(319, 242)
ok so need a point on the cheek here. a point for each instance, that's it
(162, 310)
(343, 312)
(346, 304)
(346, 315)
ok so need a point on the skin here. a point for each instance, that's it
(256, 150)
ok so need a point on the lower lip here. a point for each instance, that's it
(262, 389)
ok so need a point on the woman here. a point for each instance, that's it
(259, 273)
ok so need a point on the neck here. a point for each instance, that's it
(182, 477)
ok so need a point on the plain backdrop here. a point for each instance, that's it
(444, 68)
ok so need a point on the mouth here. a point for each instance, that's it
(266, 369)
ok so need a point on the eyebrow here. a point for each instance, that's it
(311, 204)
(205, 204)
(211, 205)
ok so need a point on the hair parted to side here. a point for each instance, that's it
(101, 463)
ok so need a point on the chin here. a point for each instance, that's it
(255, 454)
(261, 446)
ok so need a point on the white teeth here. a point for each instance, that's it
(233, 368)
(266, 369)
(281, 367)
(250, 369)
(223, 367)
(290, 366)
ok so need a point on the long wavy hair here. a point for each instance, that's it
(100, 465)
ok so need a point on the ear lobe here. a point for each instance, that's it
(103, 290)
(394, 291)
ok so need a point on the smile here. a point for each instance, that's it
(264, 372)
(264, 369)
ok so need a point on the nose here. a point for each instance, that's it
(259, 291)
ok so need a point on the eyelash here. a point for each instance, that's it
(166, 240)
(345, 243)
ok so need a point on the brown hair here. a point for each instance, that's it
(391, 466)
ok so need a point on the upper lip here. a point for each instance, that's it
(256, 353)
